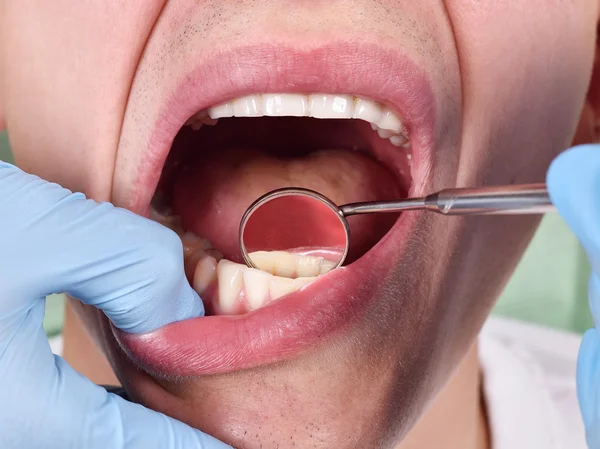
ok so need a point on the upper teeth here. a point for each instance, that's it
(322, 106)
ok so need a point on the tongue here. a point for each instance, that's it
(212, 192)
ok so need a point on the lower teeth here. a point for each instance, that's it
(231, 288)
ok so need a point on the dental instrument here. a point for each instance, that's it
(284, 220)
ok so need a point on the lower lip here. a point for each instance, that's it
(280, 331)
(304, 319)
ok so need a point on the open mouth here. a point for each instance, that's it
(346, 145)
(350, 149)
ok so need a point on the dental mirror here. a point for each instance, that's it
(295, 232)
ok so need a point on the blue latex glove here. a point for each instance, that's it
(52, 240)
(574, 185)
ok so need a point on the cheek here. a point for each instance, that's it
(525, 67)
(65, 84)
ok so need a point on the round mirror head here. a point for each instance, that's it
(293, 233)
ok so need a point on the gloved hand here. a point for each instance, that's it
(574, 185)
(52, 240)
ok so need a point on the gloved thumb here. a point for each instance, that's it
(588, 373)
(574, 186)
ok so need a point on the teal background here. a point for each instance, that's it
(548, 287)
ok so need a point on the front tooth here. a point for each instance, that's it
(249, 106)
(256, 285)
(279, 287)
(230, 283)
(302, 282)
(331, 106)
(390, 121)
(222, 110)
(205, 274)
(368, 111)
(289, 105)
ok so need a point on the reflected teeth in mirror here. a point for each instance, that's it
(242, 289)
(322, 106)
(286, 264)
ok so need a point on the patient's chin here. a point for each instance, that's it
(283, 409)
(334, 396)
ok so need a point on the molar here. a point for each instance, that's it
(205, 274)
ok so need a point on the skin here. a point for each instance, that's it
(515, 86)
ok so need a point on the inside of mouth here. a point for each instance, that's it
(213, 174)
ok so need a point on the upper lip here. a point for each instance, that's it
(219, 344)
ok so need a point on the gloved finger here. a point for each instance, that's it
(574, 186)
(116, 423)
(594, 298)
(588, 393)
(55, 241)
(53, 406)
